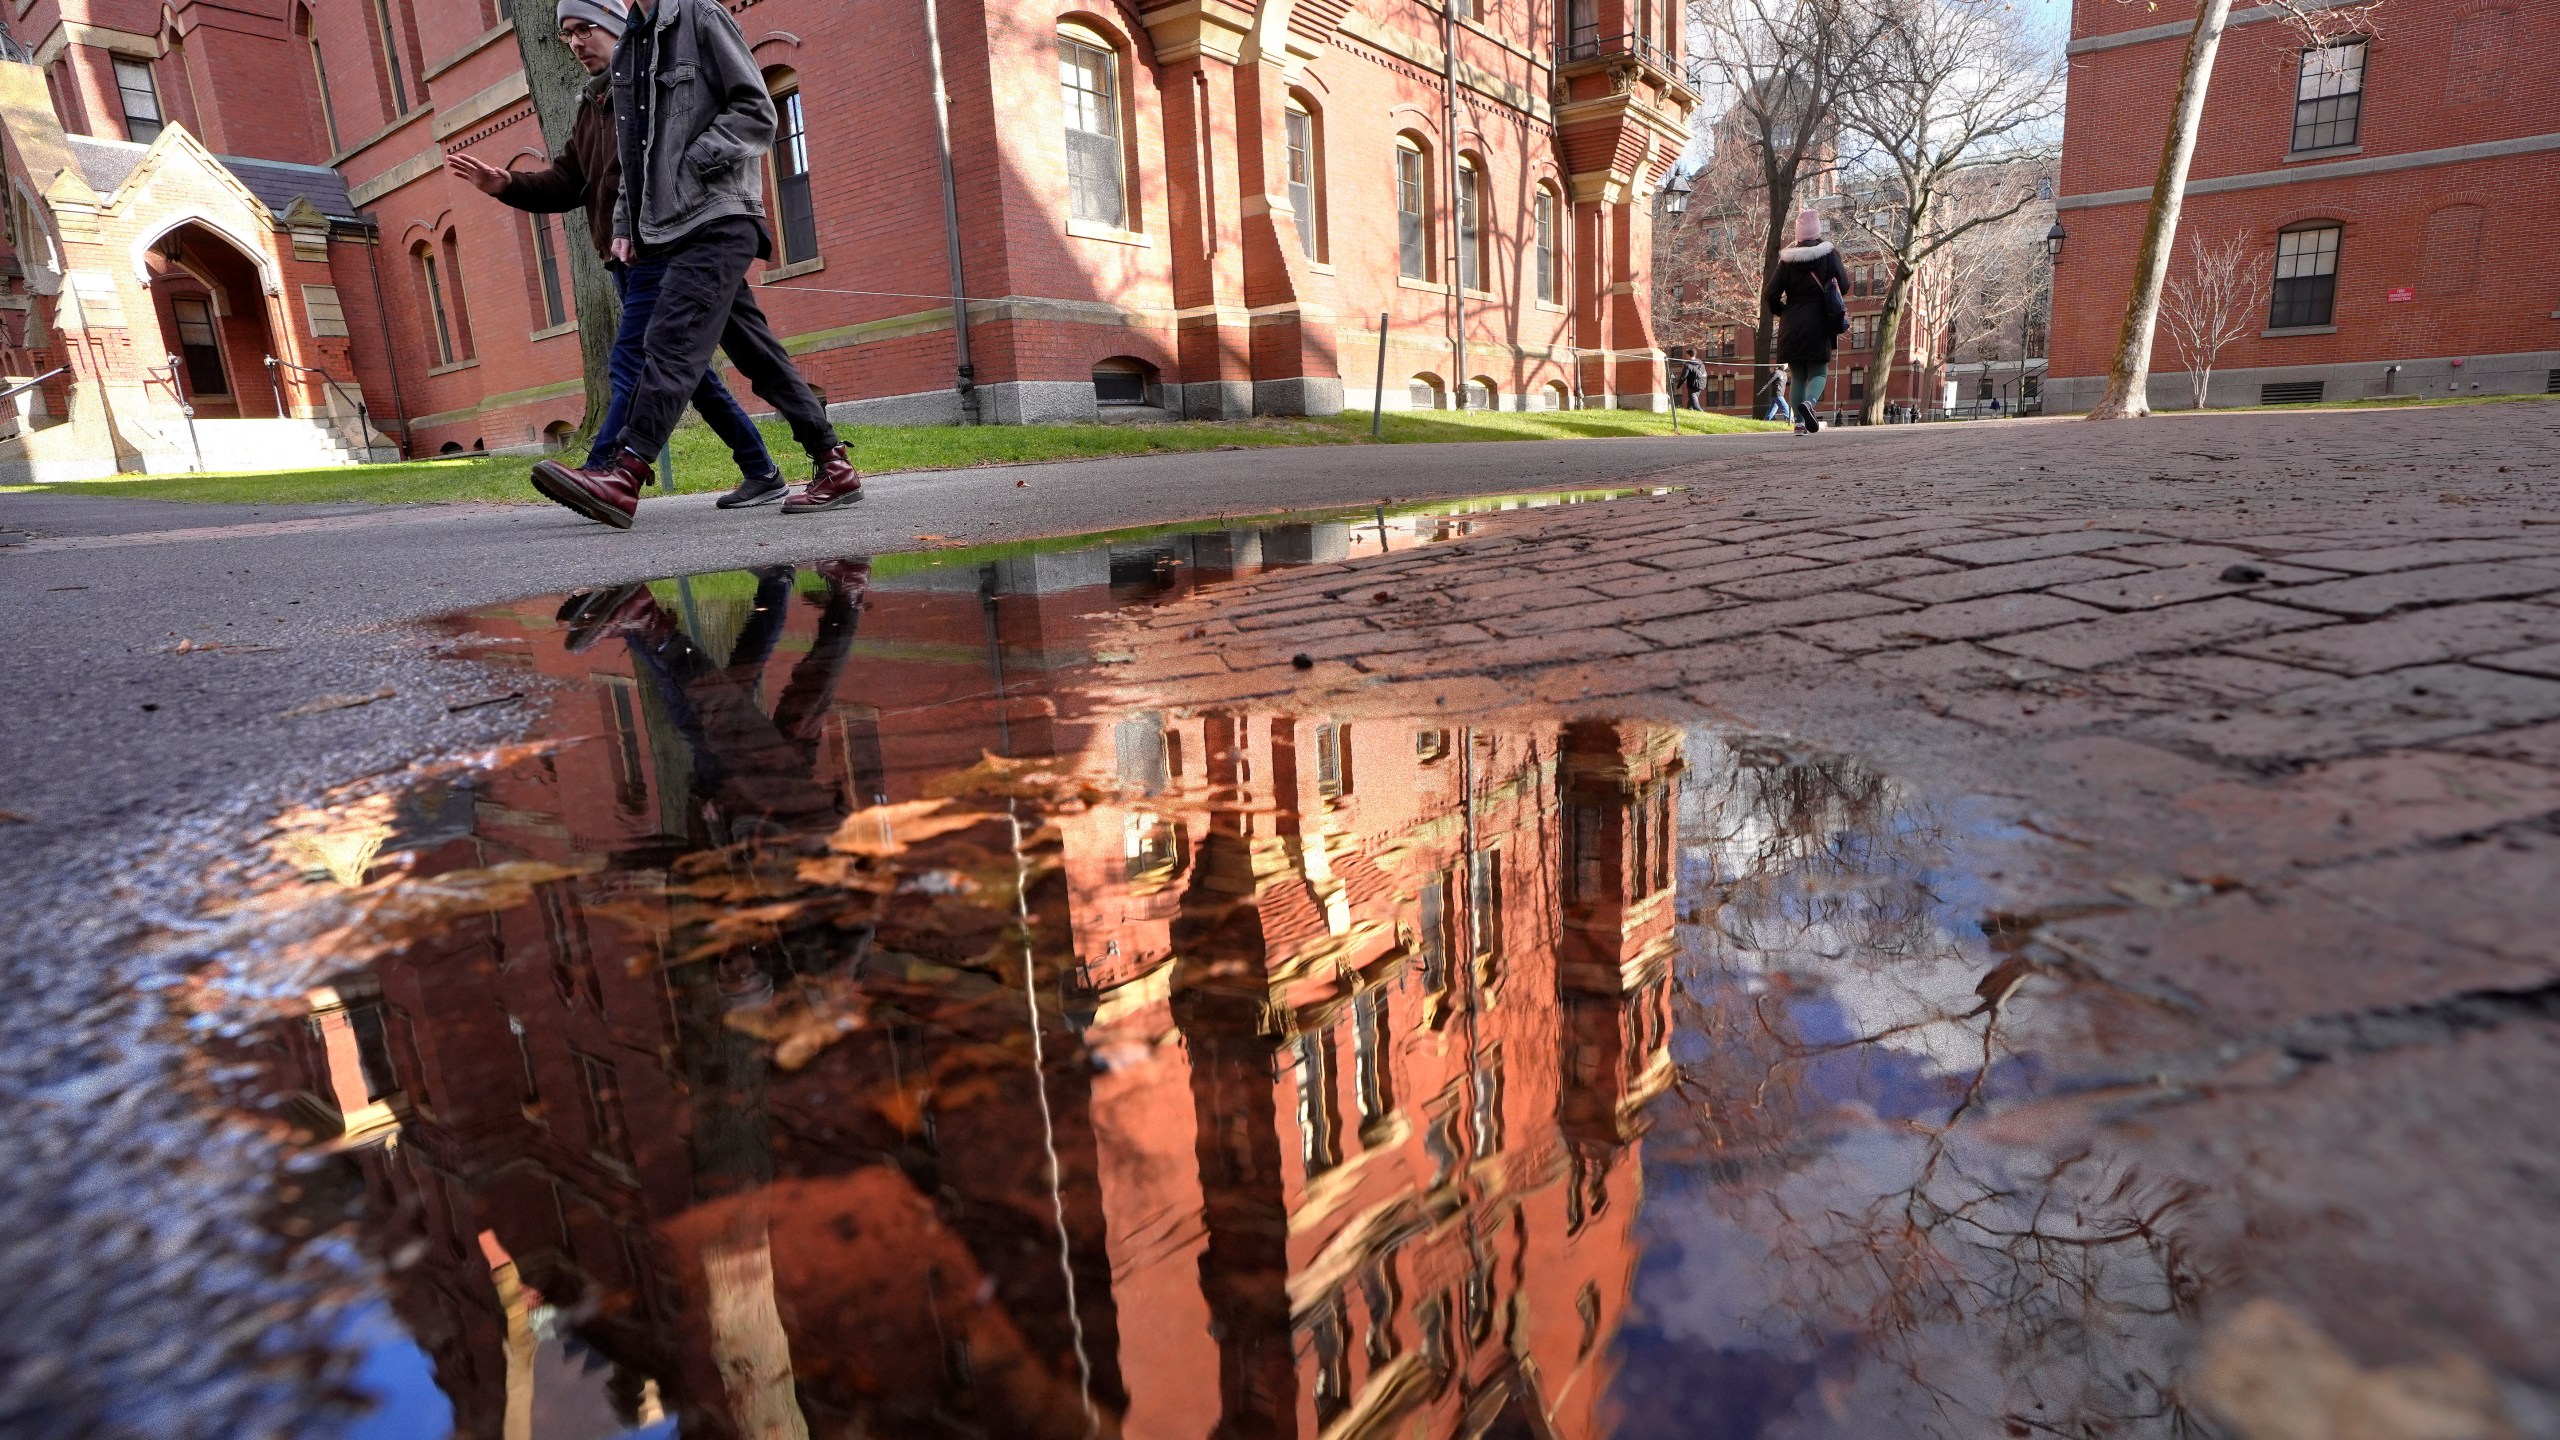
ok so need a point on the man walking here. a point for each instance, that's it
(691, 117)
(588, 172)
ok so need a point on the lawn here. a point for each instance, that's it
(701, 463)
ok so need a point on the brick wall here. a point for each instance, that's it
(2445, 235)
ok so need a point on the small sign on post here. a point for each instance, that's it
(2401, 294)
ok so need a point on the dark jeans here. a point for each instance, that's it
(704, 304)
(719, 409)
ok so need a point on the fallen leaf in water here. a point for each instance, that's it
(327, 703)
(12, 817)
(885, 830)
(2274, 1376)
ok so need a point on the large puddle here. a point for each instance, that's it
(841, 1023)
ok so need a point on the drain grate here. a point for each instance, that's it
(2551, 386)
(2292, 392)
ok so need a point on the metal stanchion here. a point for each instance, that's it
(1378, 402)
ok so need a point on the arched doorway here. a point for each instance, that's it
(212, 307)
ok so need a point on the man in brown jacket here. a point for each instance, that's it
(588, 173)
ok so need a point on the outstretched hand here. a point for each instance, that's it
(487, 179)
(622, 248)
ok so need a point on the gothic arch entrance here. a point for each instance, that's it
(210, 300)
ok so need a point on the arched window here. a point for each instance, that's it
(1305, 137)
(794, 207)
(550, 273)
(395, 71)
(1422, 392)
(1413, 226)
(1470, 225)
(1089, 87)
(430, 273)
(1550, 255)
(1483, 394)
(310, 34)
(1123, 380)
(1557, 397)
(2306, 288)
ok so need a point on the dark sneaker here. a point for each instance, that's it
(755, 490)
(1813, 424)
(608, 494)
(832, 483)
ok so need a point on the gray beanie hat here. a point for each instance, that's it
(605, 15)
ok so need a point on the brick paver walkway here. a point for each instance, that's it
(2265, 708)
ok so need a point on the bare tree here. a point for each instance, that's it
(558, 84)
(1949, 91)
(1778, 67)
(2213, 304)
(2129, 375)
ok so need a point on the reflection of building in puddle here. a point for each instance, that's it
(1348, 1024)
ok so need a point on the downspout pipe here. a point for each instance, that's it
(1456, 309)
(965, 378)
(382, 324)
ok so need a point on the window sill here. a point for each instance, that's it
(565, 327)
(2297, 330)
(2333, 152)
(1088, 230)
(1550, 307)
(794, 270)
(1321, 267)
(1433, 286)
(470, 364)
(1472, 294)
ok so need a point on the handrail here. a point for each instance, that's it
(364, 420)
(186, 407)
(23, 386)
(1589, 44)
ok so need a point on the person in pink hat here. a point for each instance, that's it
(1808, 295)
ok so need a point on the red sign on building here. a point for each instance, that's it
(2398, 293)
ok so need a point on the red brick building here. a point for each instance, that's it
(1195, 208)
(1347, 1025)
(2393, 182)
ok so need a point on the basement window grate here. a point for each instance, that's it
(2551, 386)
(2292, 392)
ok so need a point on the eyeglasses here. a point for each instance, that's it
(575, 30)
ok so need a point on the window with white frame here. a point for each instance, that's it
(1413, 250)
(143, 121)
(2306, 288)
(551, 273)
(795, 206)
(1306, 171)
(1089, 85)
(2328, 100)
(1470, 227)
(1548, 268)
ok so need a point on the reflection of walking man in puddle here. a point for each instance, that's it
(588, 172)
(753, 773)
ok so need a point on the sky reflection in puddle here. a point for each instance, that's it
(844, 1025)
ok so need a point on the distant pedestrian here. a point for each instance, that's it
(588, 173)
(693, 122)
(1778, 407)
(1694, 371)
(1808, 292)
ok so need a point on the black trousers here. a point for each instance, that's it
(704, 303)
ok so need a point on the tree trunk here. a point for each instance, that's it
(2204, 382)
(559, 83)
(1897, 299)
(2129, 377)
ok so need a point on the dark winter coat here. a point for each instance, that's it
(1796, 294)
(587, 172)
(694, 121)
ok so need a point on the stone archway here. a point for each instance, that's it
(210, 299)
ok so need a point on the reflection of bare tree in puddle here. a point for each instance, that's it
(1850, 1226)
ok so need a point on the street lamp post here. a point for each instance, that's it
(2053, 239)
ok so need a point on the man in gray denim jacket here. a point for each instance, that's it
(692, 120)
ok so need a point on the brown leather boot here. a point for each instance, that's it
(834, 482)
(608, 495)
